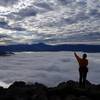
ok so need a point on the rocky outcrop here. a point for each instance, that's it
(6, 53)
(69, 90)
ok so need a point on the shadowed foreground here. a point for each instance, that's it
(69, 90)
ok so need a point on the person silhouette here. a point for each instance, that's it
(83, 69)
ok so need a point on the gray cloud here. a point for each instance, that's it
(91, 36)
(3, 36)
(66, 1)
(6, 39)
(32, 10)
(17, 28)
(94, 12)
(7, 2)
(23, 13)
(44, 5)
(76, 18)
(80, 37)
(27, 12)
(4, 25)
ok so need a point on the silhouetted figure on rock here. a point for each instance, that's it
(83, 69)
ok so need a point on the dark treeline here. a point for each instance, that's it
(45, 47)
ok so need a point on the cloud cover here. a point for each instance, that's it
(49, 68)
(32, 21)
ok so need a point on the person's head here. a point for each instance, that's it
(84, 56)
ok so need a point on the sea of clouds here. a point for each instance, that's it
(30, 21)
(49, 68)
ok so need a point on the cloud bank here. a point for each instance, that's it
(39, 67)
(48, 21)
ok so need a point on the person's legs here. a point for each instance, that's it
(80, 77)
(84, 77)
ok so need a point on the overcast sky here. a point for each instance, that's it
(30, 21)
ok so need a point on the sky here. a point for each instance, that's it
(49, 21)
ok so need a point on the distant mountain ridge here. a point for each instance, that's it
(47, 47)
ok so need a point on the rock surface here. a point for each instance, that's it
(69, 90)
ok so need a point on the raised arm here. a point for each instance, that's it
(77, 57)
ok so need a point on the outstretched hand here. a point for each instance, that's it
(74, 52)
